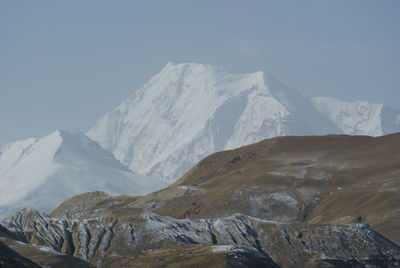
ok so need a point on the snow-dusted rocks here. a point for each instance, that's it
(112, 242)
(189, 111)
(41, 173)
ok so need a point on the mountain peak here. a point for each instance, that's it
(185, 80)
(205, 73)
(190, 110)
(192, 67)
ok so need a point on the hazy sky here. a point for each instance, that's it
(63, 64)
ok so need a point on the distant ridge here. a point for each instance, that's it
(41, 173)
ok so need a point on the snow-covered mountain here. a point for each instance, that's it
(41, 173)
(359, 118)
(189, 111)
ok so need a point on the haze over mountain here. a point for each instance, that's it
(189, 111)
(41, 173)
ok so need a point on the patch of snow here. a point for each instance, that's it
(48, 250)
(264, 202)
(227, 248)
(185, 189)
(183, 230)
(284, 198)
(276, 196)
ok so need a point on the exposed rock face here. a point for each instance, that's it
(17, 254)
(106, 241)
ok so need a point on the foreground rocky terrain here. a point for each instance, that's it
(285, 202)
(138, 238)
(16, 254)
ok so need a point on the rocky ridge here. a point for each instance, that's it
(106, 241)
(15, 253)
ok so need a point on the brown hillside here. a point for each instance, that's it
(284, 202)
(335, 178)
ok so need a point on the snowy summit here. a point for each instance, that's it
(191, 110)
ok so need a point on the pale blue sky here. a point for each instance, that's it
(63, 64)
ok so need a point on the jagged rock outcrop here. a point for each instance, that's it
(16, 254)
(105, 241)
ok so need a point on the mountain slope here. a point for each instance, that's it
(337, 179)
(41, 173)
(319, 179)
(359, 118)
(189, 111)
